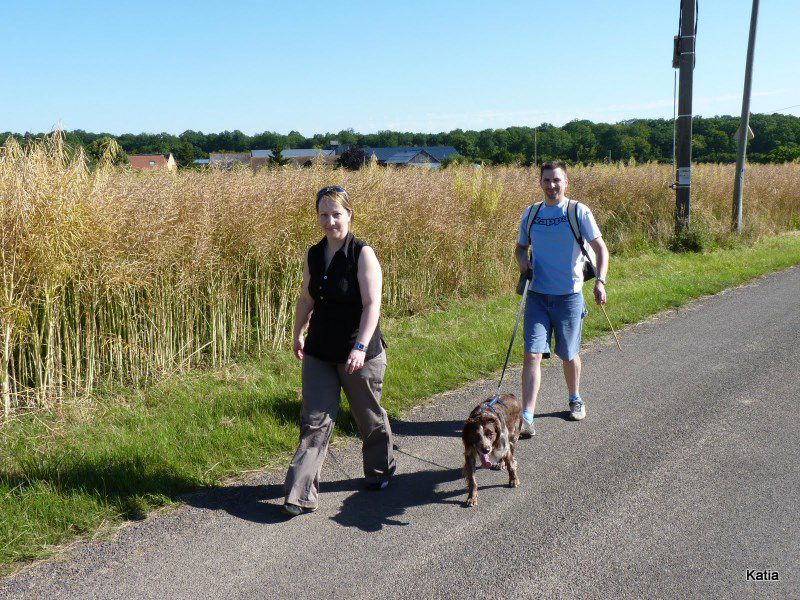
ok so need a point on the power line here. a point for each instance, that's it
(782, 109)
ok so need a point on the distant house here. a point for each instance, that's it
(227, 160)
(413, 158)
(299, 153)
(304, 157)
(152, 161)
(429, 157)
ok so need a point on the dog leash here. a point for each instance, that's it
(397, 448)
(338, 463)
(496, 397)
(612, 327)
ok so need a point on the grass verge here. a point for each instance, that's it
(75, 471)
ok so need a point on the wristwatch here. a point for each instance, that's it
(601, 280)
(359, 346)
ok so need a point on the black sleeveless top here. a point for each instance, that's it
(336, 317)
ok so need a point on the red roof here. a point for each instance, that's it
(147, 161)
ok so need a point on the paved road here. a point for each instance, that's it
(683, 476)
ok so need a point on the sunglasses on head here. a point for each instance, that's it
(329, 189)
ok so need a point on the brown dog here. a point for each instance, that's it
(489, 435)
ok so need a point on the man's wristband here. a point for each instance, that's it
(359, 346)
(601, 280)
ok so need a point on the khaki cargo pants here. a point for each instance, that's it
(322, 382)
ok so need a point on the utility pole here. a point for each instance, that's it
(684, 60)
(744, 122)
(535, 146)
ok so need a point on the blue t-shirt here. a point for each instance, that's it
(557, 259)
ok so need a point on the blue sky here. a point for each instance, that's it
(316, 67)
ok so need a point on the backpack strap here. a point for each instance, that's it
(533, 211)
(572, 217)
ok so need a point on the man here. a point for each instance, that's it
(555, 302)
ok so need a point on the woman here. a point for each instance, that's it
(339, 306)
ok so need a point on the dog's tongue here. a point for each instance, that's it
(487, 464)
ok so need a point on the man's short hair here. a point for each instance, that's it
(552, 165)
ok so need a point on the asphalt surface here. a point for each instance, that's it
(682, 478)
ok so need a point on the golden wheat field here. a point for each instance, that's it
(117, 275)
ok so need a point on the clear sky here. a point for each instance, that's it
(411, 65)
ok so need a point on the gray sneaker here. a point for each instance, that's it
(527, 430)
(294, 510)
(577, 410)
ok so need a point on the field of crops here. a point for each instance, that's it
(113, 275)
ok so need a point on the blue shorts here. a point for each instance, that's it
(560, 314)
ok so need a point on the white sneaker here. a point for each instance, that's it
(577, 410)
(527, 430)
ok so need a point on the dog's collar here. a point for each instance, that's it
(488, 404)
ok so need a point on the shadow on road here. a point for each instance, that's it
(556, 414)
(371, 511)
(254, 503)
(362, 508)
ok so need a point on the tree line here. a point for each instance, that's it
(777, 139)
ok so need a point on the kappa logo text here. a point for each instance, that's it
(550, 222)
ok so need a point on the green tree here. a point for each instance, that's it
(788, 153)
(554, 143)
(185, 153)
(580, 141)
(106, 149)
(277, 159)
(504, 157)
(295, 140)
(486, 144)
(585, 145)
(455, 159)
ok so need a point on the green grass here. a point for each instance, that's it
(86, 467)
